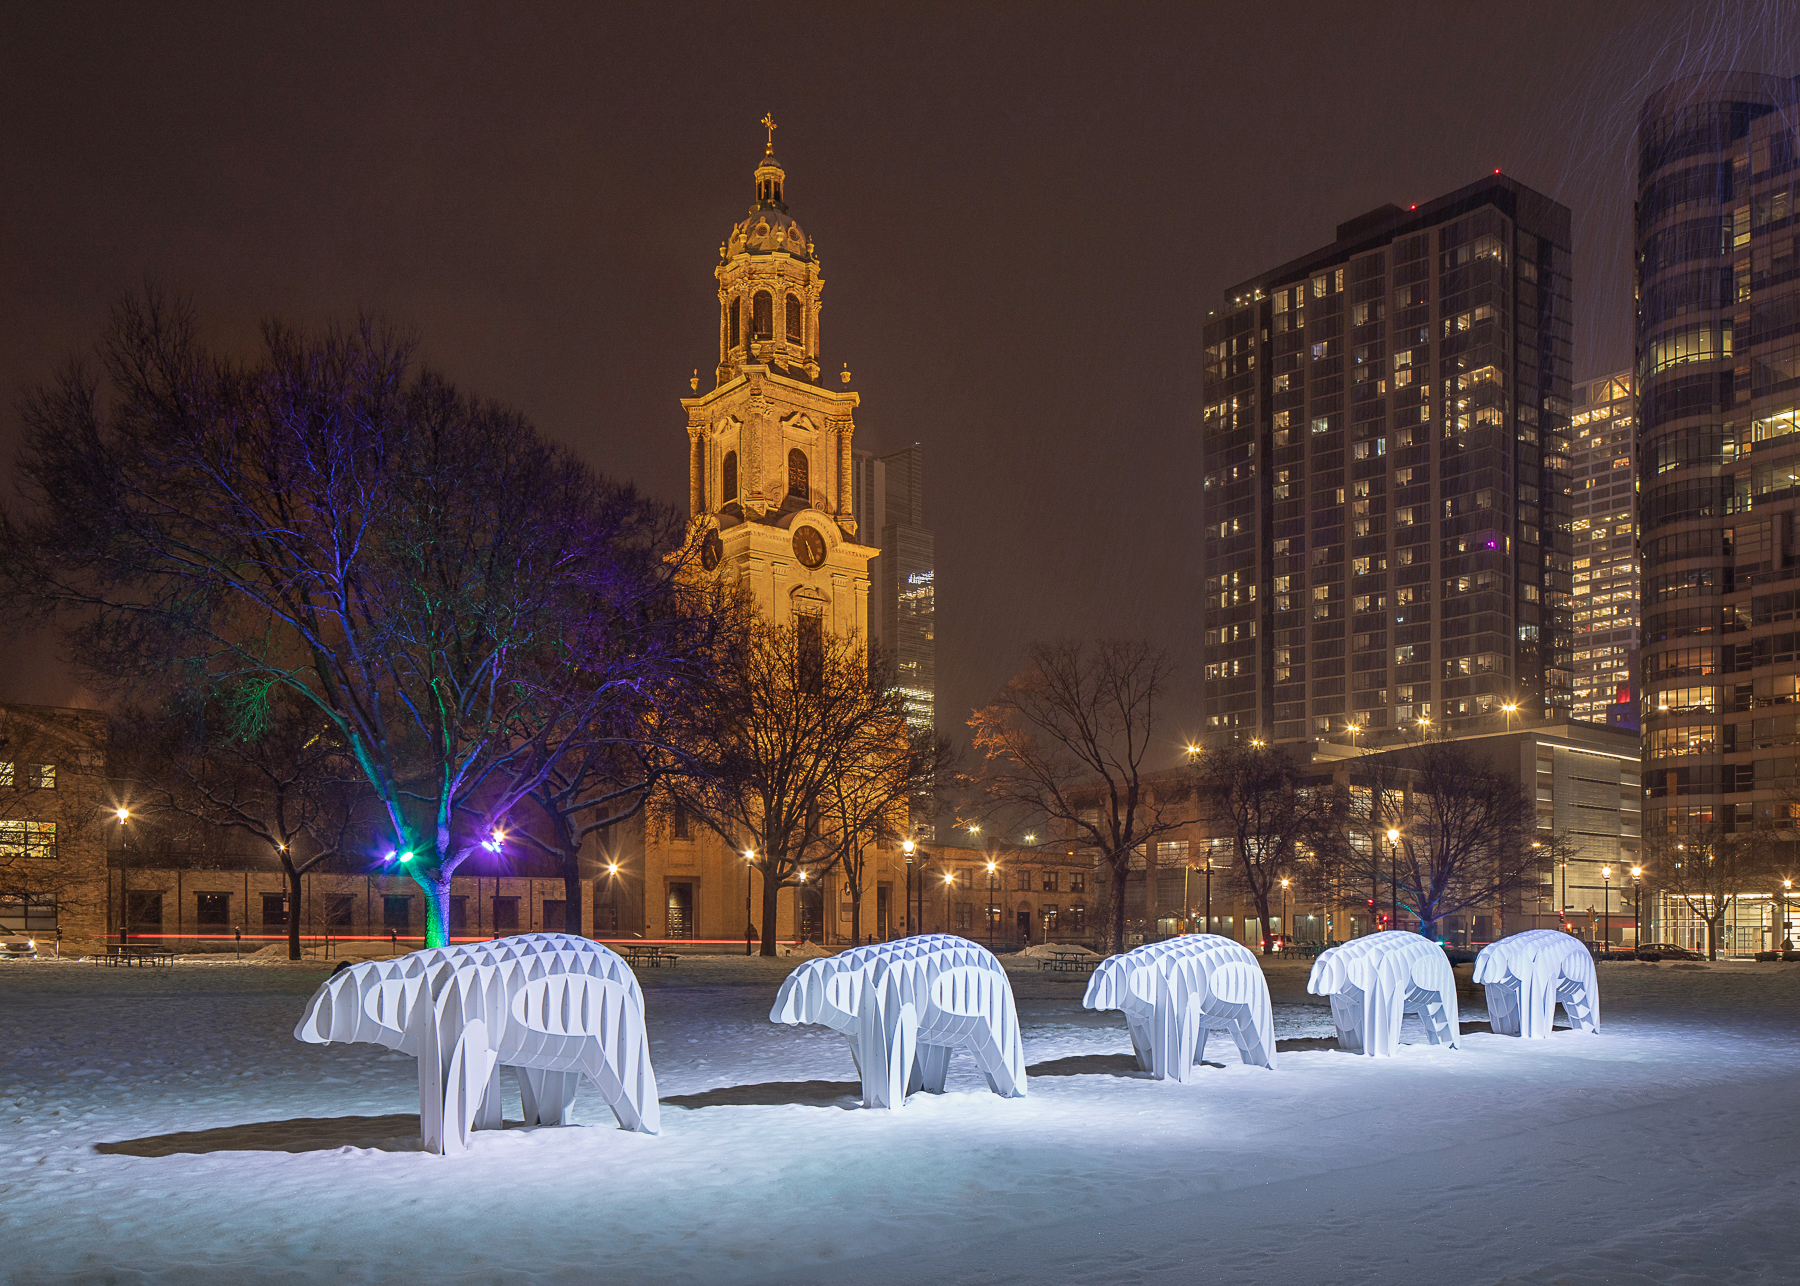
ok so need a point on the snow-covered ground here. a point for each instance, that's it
(165, 1127)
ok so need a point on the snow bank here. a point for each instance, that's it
(1049, 950)
(162, 1127)
(805, 951)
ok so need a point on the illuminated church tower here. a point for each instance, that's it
(769, 459)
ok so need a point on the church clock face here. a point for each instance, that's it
(712, 549)
(809, 546)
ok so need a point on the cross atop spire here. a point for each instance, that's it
(768, 122)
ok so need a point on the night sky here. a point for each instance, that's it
(1023, 213)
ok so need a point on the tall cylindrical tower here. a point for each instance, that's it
(1718, 462)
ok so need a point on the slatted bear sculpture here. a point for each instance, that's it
(552, 1006)
(1374, 981)
(905, 1007)
(1527, 974)
(1175, 992)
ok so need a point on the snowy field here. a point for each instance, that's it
(165, 1127)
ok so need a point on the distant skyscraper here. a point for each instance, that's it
(1718, 388)
(1603, 426)
(1383, 498)
(889, 498)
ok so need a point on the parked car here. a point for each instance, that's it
(17, 945)
(1669, 951)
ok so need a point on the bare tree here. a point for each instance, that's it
(420, 567)
(254, 759)
(787, 713)
(589, 790)
(1067, 739)
(886, 786)
(1441, 832)
(1259, 798)
(1709, 869)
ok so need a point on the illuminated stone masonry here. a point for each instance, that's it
(1174, 992)
(551, 1006)
(1375, 981)
(905, 1007)
(1529, 974)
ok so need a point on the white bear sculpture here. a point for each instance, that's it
(905, 1007)
(1174, 992)
(1526, 976)
(550, 1005)
(1375, 981)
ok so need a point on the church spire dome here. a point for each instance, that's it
(769, 283)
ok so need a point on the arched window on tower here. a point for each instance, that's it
(728, 478)
(735, 310)
(793, 320)
(762, 318)
(797, 474)
(809, 635)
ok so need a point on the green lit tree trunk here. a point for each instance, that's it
(436, 887)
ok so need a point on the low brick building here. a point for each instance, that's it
(54, 808)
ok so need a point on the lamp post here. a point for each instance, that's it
(1510, 708)
(1209, 924)
(1606, 906)
(1393, 836)
(749, 866)
(908, 848)
(1284, 915)
(1637, 907)
(993, 910)
(1352, 729)
(949, 883)
(1787, 933)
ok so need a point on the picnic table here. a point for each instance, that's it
(1069, 962)
(655, 957)
(131, 953)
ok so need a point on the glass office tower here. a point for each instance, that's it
(888, 498)
(1718, 353)
(1384, 494)
(1603, 426)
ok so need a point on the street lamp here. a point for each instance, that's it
(949, 882)
(993, 910)
(1209, 926)
(908, 848)
(1511, 708)
(1606, 906)
(1637, 906)
(749, 860)
(1284, 914)
(1352, 729)
(1787, 932)
(1393, 836)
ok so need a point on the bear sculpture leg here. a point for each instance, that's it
(547, 1097)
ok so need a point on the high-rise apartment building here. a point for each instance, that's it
(1384, 497)
(1603, 486)
(889, 498)
(1718, 352)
